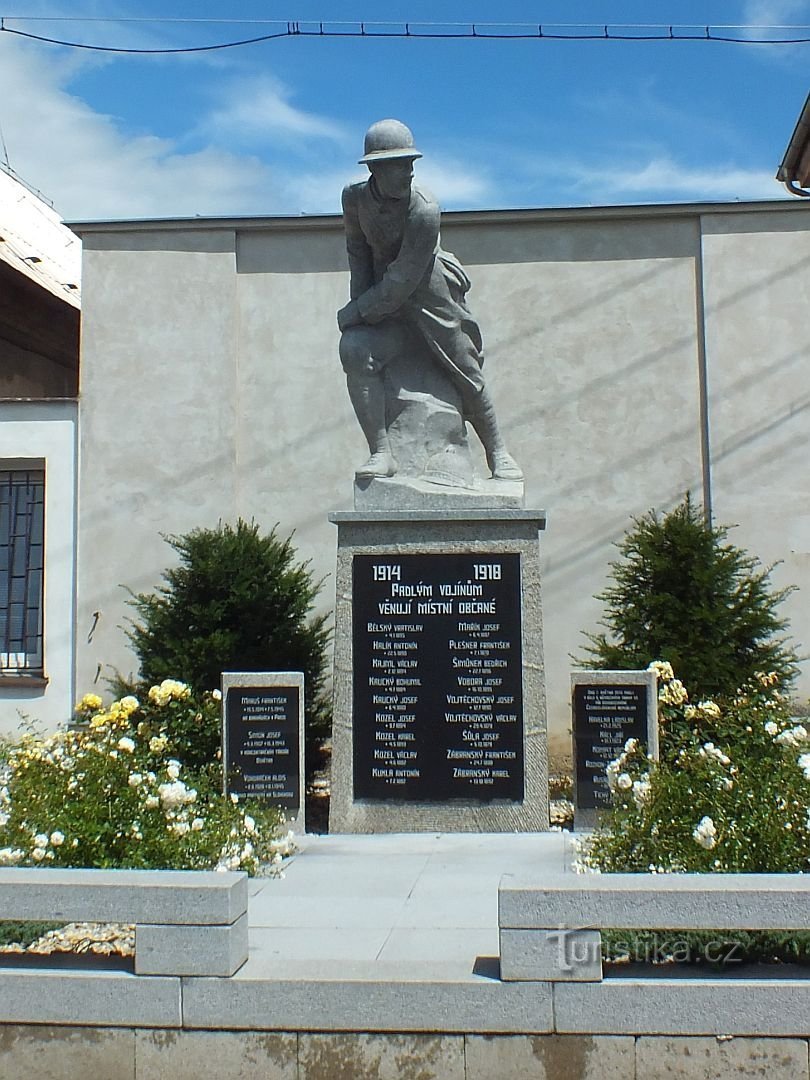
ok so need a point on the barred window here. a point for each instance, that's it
(22, 527)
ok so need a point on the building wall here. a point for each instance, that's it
(47, 431)
(758, 344)
(211, 388)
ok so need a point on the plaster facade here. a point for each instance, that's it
(633, 354)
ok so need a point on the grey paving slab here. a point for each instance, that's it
(325, 910)
(227, 1055)
(46, 1052)
(269, 945)
(450, 911)
(470, 883)
(696, 1006)
(340, 893)
(101, 998)
(529, 849)
(357, 969)
(304, 1004)
(432, 945)
(129, 896)
(382, 875)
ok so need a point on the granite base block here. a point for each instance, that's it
(688, 1006)
(552, 955)
(48, 1052)
(103, 999)
(656, 901)
(383, 1057)
(486, 1006)
(227, 1055)
(200, 897)
(718, 1059)
(191, 950)
(550, 1057)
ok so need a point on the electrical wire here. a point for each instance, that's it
(432, 31)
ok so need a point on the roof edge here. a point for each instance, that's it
(455, 217)
(790, 171)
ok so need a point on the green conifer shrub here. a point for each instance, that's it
(237, 601)
(683, 594)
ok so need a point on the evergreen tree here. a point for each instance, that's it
(682, 593)
(238, 601)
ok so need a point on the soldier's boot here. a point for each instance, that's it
(368, 398)
(501, 463)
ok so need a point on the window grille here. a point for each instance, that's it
(22, 528)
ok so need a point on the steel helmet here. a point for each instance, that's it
(388, 139)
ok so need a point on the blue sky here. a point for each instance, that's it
(277, 128)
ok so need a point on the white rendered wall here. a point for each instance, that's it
(758, 354)
(47, 431)
(211, 388)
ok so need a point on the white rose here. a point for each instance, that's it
(705, 833)
(126, 744)
(57, 838)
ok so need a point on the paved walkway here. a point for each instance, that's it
(400, 906)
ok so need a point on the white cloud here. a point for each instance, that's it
(663, 177)
(454, 185)
(777, 13)
(774, 13)
(259, 109)
(91, 167)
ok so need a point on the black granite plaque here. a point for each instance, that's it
(606, 715)
(261, 742)
(438, 702)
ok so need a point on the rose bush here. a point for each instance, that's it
(129, 786)
(730, 793)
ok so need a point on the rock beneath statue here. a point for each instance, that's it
(426, 427)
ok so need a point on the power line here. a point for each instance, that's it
(431, 31)
(233, 21)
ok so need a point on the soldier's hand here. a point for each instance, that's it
(349, 316)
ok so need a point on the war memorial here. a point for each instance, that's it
(439, 684)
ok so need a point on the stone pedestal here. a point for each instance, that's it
(440, 712)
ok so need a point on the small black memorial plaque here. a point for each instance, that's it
(438, 699)
(606, 715)
(261, 744)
